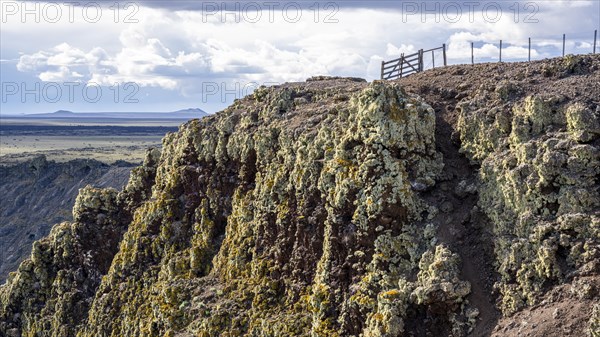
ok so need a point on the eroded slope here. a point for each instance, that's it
(340, 208)
(36, 194)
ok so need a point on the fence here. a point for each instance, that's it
(410, 64)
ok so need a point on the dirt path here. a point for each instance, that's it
(463, 228)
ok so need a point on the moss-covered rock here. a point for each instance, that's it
(594, 324)
(536, 178)
(51, 292)
(306, 210)
(290, 213)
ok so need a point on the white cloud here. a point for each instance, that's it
(393, 51)
(132, 64)
(177, 50)
(62, 74)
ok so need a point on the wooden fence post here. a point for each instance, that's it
(444, 47)
(401, 64)
(595, 39)
(472, 53)
(564, 40)
(500, 50)
(382, 66)
(529, 57)
(420, 60)
(433, 58)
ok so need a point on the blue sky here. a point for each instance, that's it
(170, 55)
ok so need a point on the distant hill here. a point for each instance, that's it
(180, 114)
(192, 112)
(62, 113)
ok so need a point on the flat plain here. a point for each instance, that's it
(62, 139)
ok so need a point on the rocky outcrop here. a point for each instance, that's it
(290, 213)
(531, 131)
(537, 191)
(51, 291)
(38, 193)
(337, 207)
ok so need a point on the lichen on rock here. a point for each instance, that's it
(311, 209)
(51, 292)
(290, 213)
(535, 176)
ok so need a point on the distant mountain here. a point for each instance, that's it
(191, 112)
(64, 113)
(57, 113)
(179, 114)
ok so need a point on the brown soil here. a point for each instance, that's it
(462, 226)
(562, 313)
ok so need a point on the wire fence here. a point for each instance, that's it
(422, 60)
(409, 64)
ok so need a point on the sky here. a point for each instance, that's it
(154, 56)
